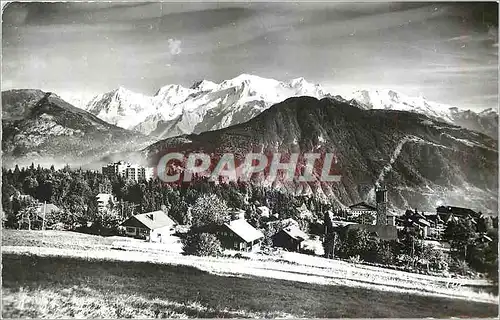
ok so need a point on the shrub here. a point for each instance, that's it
(355, 259)
(385, 253)
(202, 244)
(459, 267)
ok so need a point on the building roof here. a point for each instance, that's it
(49, 208)
(363, 205)
(264, 211)
(459, 211)
(294, 232)
(285, 222)
(340, 223)
(381, 231)
(105, 197)
(304, 212)
(423, 222)
(244, 230)
(151, 220)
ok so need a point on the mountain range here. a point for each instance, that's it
(40, 127)
(485, 121)
(205, 106)
(424, 162)
(425, 153)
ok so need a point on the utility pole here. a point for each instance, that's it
(412, 251)
(465, 257)
(29, 219)
(334, 241)
(44, 214)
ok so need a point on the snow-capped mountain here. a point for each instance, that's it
(421, 161)
(40, 126)
(206, 105)
(485, 121)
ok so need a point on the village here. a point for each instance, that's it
(413, 240)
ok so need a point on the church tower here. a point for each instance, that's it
(381, 198)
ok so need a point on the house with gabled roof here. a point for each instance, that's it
(361, 208)
(151, 226)
(238, 234)
(445, 211)
(35, 217)
(290, 238)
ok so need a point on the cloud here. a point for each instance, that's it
(174, 46)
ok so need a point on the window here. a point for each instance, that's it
(130, 230)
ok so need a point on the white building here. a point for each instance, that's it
(264, 211)
(149, 173)
(103, 201)
(152, 226)
(128, 171)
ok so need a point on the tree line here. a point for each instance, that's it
(74, 191)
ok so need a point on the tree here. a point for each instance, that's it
(209, 209)
(202, 244)
(460, 234)
(61, 218)
(385, 253)
(354, 242)
(29, 185)
(27, 217)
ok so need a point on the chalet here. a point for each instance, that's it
(442, 246)
(458, 212)
(47, 209)
(382, 232)
(240, 235)
(419, 223)
(35, 216)
(361, 208)
(152, 226)
(304, 212)
(290, 238)
(263, 211)
(434, 218)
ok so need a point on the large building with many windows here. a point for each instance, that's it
(128, 171)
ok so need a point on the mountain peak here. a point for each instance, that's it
(203, 85)
(298, 81)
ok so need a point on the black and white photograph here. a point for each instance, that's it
(253, 159)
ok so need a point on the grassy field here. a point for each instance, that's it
(68, 287)
(54, 239)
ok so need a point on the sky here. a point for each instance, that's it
(446, 52)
